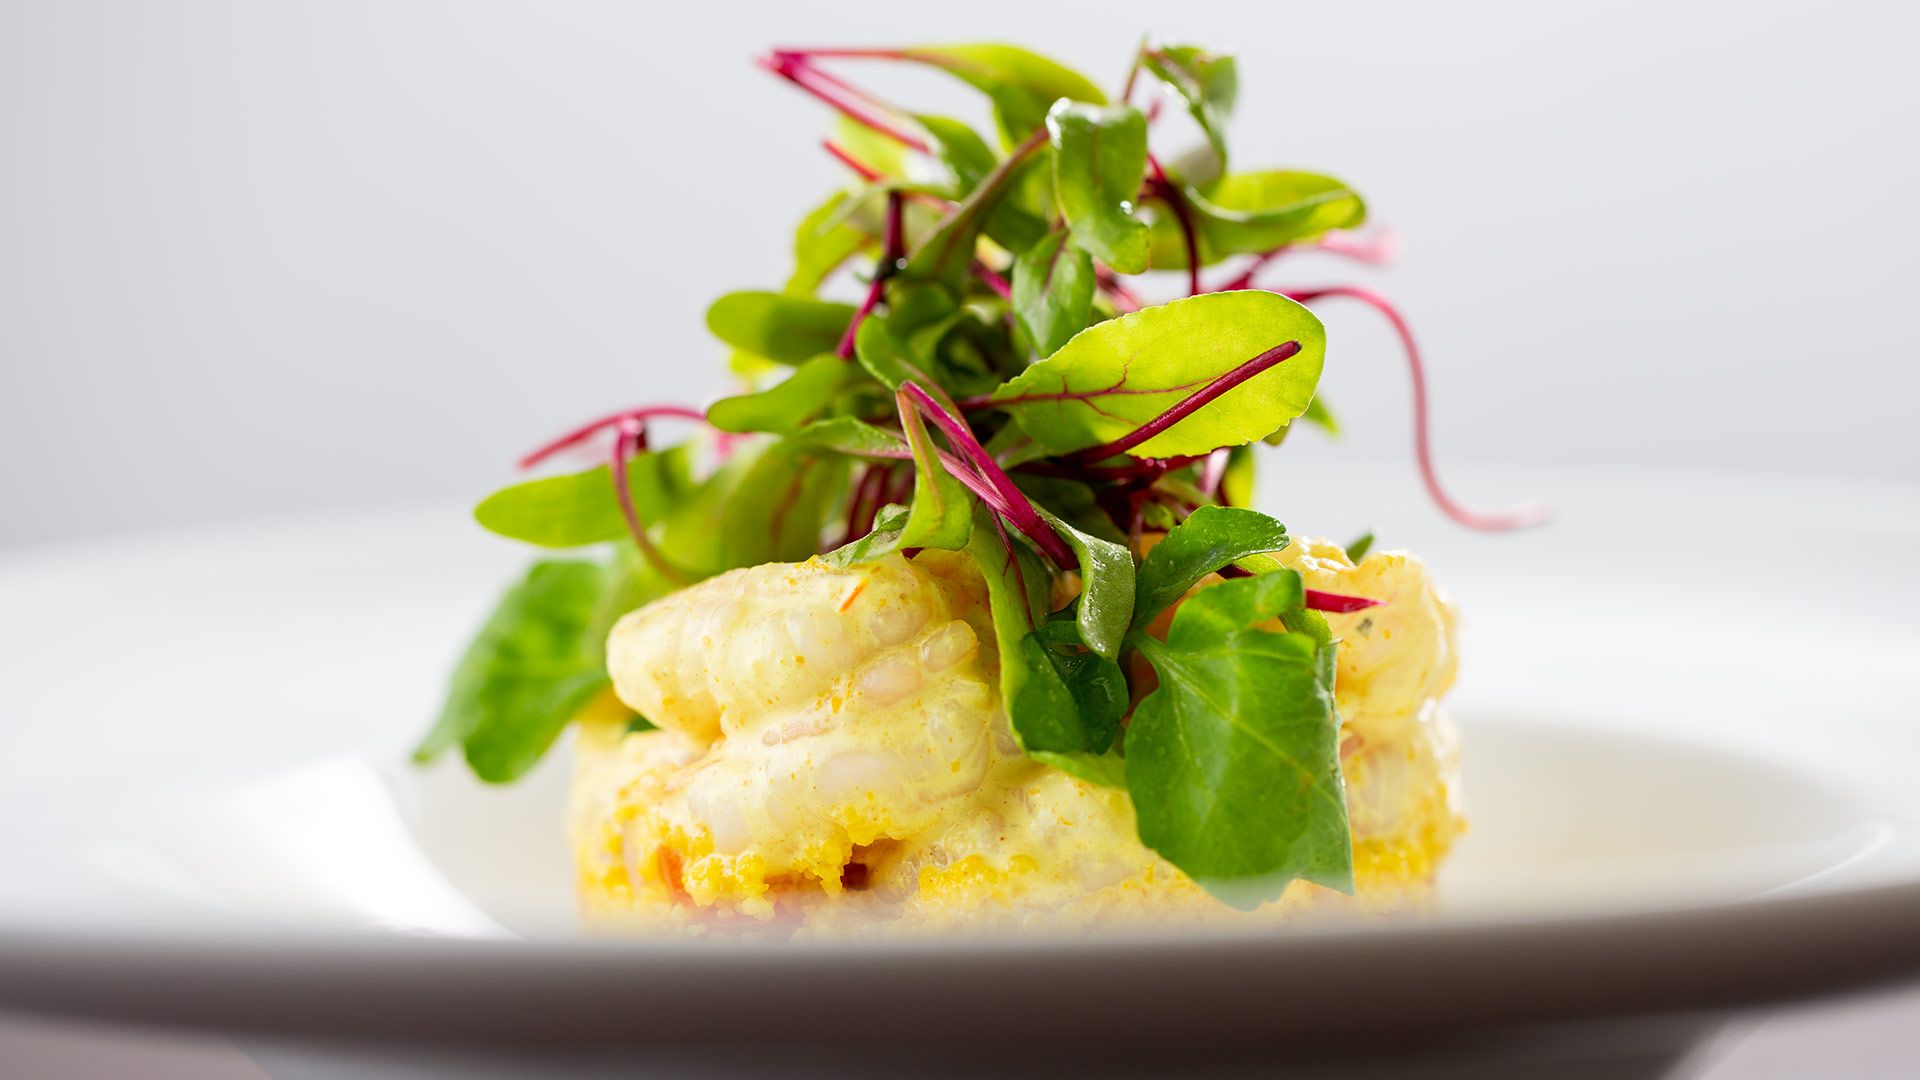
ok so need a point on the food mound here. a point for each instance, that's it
(956, 613)
(832, 752)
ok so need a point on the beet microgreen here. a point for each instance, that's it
(998, 382)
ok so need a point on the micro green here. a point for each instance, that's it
(962, 355)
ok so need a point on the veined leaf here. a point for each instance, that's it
(531, 667)
(1208, 82)
(580, 508)
(782, 328)
(1116, 375)
(1099, 160)
(1209, 539)
(793, 401)
(1053, 292)
(1021, 84)
(1248, 213)
(1233, 762)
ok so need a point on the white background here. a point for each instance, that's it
(261, 257)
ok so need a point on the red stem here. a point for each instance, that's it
(794, 68)
(1338, 603)
(1213, 475)
(882, 270)
(1182, 213)
(993, 281)
(1518, 517)
(1194, 402)
(1018, 510)
(631, 438)
(1380, 249)
(1123, 298)
(860, 168)
(587, 430)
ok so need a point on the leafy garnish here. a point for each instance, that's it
(533, 665)
(984, 374)
(1234, 760)
(1119, 374)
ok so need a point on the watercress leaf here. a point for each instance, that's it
(580, 508)
(1020, 83)
(531, 667)
(1208, 83)
(1360, 546)
(1053, 292)
(1099, 160)
(1106, 587)
(1116, 375)
(1233, 762)
(778, 327)
(798, 398)
(1248, 213)
(822, 242)
(1226, 612)
(1107, 770)
(882, 539)
(1209, 539)
(942, 513)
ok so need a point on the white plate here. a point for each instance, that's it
(1690, 728)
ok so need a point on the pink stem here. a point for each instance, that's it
(993, 281)
(889, 261)
(1214, 474)
(860, 168)
(1184, 215)
(794, 68)
(631, 437)
(1194, 402)
(587, 430)
(1378, 250)
(1123, 298)
(1518, 517)
(1018, 510)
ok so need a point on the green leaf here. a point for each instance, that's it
(580, 508)
(1207, 82)
(1249, 213)
(946, 255)
(1053, 292)
(885, 357)
(942, 513)
(1021, 84)
(532, 666)
(1360, 546)
(768, 502)
(1099, 160)
(1209, 539)
(800, 397)
(961, 149)
(1116, 375)
(1321, 417)
(1106, 587)
(845, 435)
(778, 327)
(1233, 762)
(823, 241)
